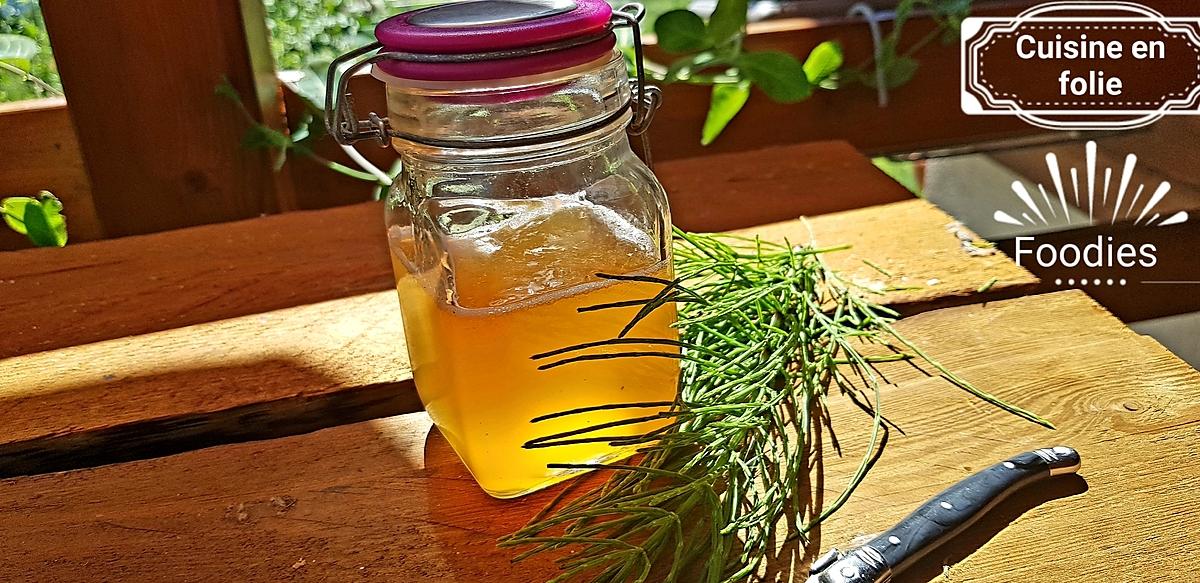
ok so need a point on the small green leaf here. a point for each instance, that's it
(13, 210)
(900, 15)
(952, 8)
(14, 47)
(953, 30)
(823, 61)
(897, 70)
(308, 85)
(900, 71)
(728, 21)
(727, 100)
(778, 74)
(902, 171)
(680, 31)
(259, 137)
(40, 219)
(228, 91)
(303, 130)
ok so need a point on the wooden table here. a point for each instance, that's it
(233, 403)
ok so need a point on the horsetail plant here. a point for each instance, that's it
(767, 333)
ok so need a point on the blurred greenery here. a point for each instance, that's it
(305, 34)
(24, 18)
(308, 34)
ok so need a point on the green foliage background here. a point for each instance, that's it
(308, 34)
(24, 17)
(305, 34)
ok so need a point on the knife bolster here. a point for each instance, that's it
(862, 565)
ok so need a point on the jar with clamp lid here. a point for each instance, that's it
(524, 231)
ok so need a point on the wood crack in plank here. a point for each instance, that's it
(136, 528)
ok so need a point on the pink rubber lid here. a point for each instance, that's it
(482, 26)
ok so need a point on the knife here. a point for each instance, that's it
(941, 518)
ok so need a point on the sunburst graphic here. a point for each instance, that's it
(1092, 194)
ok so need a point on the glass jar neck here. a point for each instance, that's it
(503, 113)
(608, 139)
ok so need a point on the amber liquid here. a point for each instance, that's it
(471, 350)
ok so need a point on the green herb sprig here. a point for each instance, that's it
(767, 333)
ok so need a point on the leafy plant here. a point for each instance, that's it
(896, 67)
(308, 32)
(40, 219)
(713, 55)
(768, 333)
(297, 140)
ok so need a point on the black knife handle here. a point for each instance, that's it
(962, 504)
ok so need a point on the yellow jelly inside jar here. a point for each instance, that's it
(525, 287)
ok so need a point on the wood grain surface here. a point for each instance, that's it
(296, 369)
(161, 148)
(135, 285)
(387, 499)
(747, 188)
(44, 155)
(916, 256)
(254, 377)
(205, 273)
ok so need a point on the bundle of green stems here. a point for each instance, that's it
(768, 332)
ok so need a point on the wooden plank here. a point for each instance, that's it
(1122, 400)
(388, 499)
(135, 285)
(248, 267)
(742, 189)
(169, 280)
(913, 253)
(43, 154)
(162, 150)
(311, 366)
(272, 374)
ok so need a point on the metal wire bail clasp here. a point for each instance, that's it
(343, 124)
(647, 98)
(340, 120)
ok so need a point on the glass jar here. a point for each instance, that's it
(524, 233)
